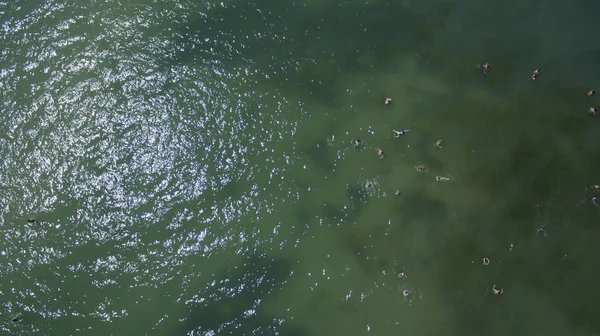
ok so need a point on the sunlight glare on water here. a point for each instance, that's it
(139, 168)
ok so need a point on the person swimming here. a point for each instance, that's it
(380, 153)
(388, 101)
(420, 168)
(357, 143)
(486, 261)
(592, 111)
(399, 133)
(442, 179)
(438, 144)
(591, 93)
(497, 291)
(535, 74)
(486, 67)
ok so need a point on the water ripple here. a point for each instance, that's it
(134, 168)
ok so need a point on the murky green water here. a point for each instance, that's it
(191, 167)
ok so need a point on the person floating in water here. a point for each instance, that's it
(400, 133)
(592, 111)
(591, 93)
(485, 67)
(535, 75)
(442, 179)
(380, 153)
(420, 168)
(497, 291)
(486, 261)
(438, 144)
(357, 143)
(31, 220)
(405, 293)
(388, 101)
(401, 275)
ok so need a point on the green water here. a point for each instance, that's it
(191, 167)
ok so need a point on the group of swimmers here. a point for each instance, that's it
(419, 168)
(486, 67)
(397, 134)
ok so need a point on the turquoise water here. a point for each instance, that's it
(191, 169)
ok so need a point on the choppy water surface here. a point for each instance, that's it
(191, 168)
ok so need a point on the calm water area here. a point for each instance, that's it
(191, 169)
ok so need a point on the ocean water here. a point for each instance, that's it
(191, 170)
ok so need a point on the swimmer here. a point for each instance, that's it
(594, 201)
(357, 143)
(497, 291)
(438, 144)
(420, 168)
(542, 229)
(400, 133)
(369, 185)
(388, 101)
(405, 293)
(31, 220)
(380, 153)
(486, 261)
(535, 74)
(590, 93)
(596, 187)
(592, 111)
(486, 67)
(442, 179)
(397, 192)
(401, 275)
